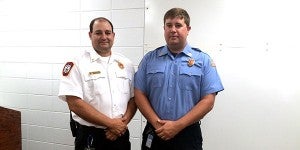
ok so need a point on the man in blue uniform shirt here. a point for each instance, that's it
(175, 87)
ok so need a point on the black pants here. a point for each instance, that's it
(189, 138)
(91, 137)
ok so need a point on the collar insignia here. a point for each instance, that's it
(121, 66)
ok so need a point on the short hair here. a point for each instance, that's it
(177, 12)
(103, 19)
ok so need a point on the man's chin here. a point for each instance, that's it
(106, 47)
(173, 43)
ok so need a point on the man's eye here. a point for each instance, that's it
(169, 26)
(178, 25)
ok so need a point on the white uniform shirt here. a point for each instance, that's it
(106, 83)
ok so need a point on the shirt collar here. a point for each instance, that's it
(163, 51)
(186, 51)
(94, 56)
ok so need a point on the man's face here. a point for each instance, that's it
(102, 37)
(176, 32)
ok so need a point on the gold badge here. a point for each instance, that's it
(67, 68)
(121, 66)
(94, 72)
(191, 62)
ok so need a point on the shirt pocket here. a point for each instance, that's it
(96, 82)
(190, 78)
(155, 76)
(124, 80)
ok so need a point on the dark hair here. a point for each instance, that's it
(177, 12)
(103, 19)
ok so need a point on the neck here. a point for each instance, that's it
(176, 48)
(104, 54)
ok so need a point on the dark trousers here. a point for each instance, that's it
(189, 138)
(94, 138)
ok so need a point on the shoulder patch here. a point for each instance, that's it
(67, 68)
(212, 63)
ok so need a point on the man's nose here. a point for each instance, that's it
(172, 28)
(103, 36)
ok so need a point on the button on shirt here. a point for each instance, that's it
(106, 83)
(174, 85)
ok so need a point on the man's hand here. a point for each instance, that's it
(113, 133)
(168, 129)
(118, 127)
(109, 135)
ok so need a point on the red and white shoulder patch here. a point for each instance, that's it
(67, 68)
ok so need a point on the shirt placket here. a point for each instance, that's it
(172, 80)
(115, 110)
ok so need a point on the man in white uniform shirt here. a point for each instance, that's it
(98, 87)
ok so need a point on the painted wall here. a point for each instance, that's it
(253, 43)
(255, 47)
(36, 39)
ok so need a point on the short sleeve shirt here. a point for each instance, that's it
(106, 83)
(174, 85)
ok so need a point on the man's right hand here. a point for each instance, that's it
(117, 126)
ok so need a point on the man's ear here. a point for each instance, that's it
(189, 28)
(90, 34)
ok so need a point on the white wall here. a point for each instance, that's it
(36, 39)
(255, 45)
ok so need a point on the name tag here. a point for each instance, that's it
(94, 72)
(149, 140)
(89, 143)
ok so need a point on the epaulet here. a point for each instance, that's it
(197, 49)
(159, 47)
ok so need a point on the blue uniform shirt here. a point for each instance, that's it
(174, 85)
